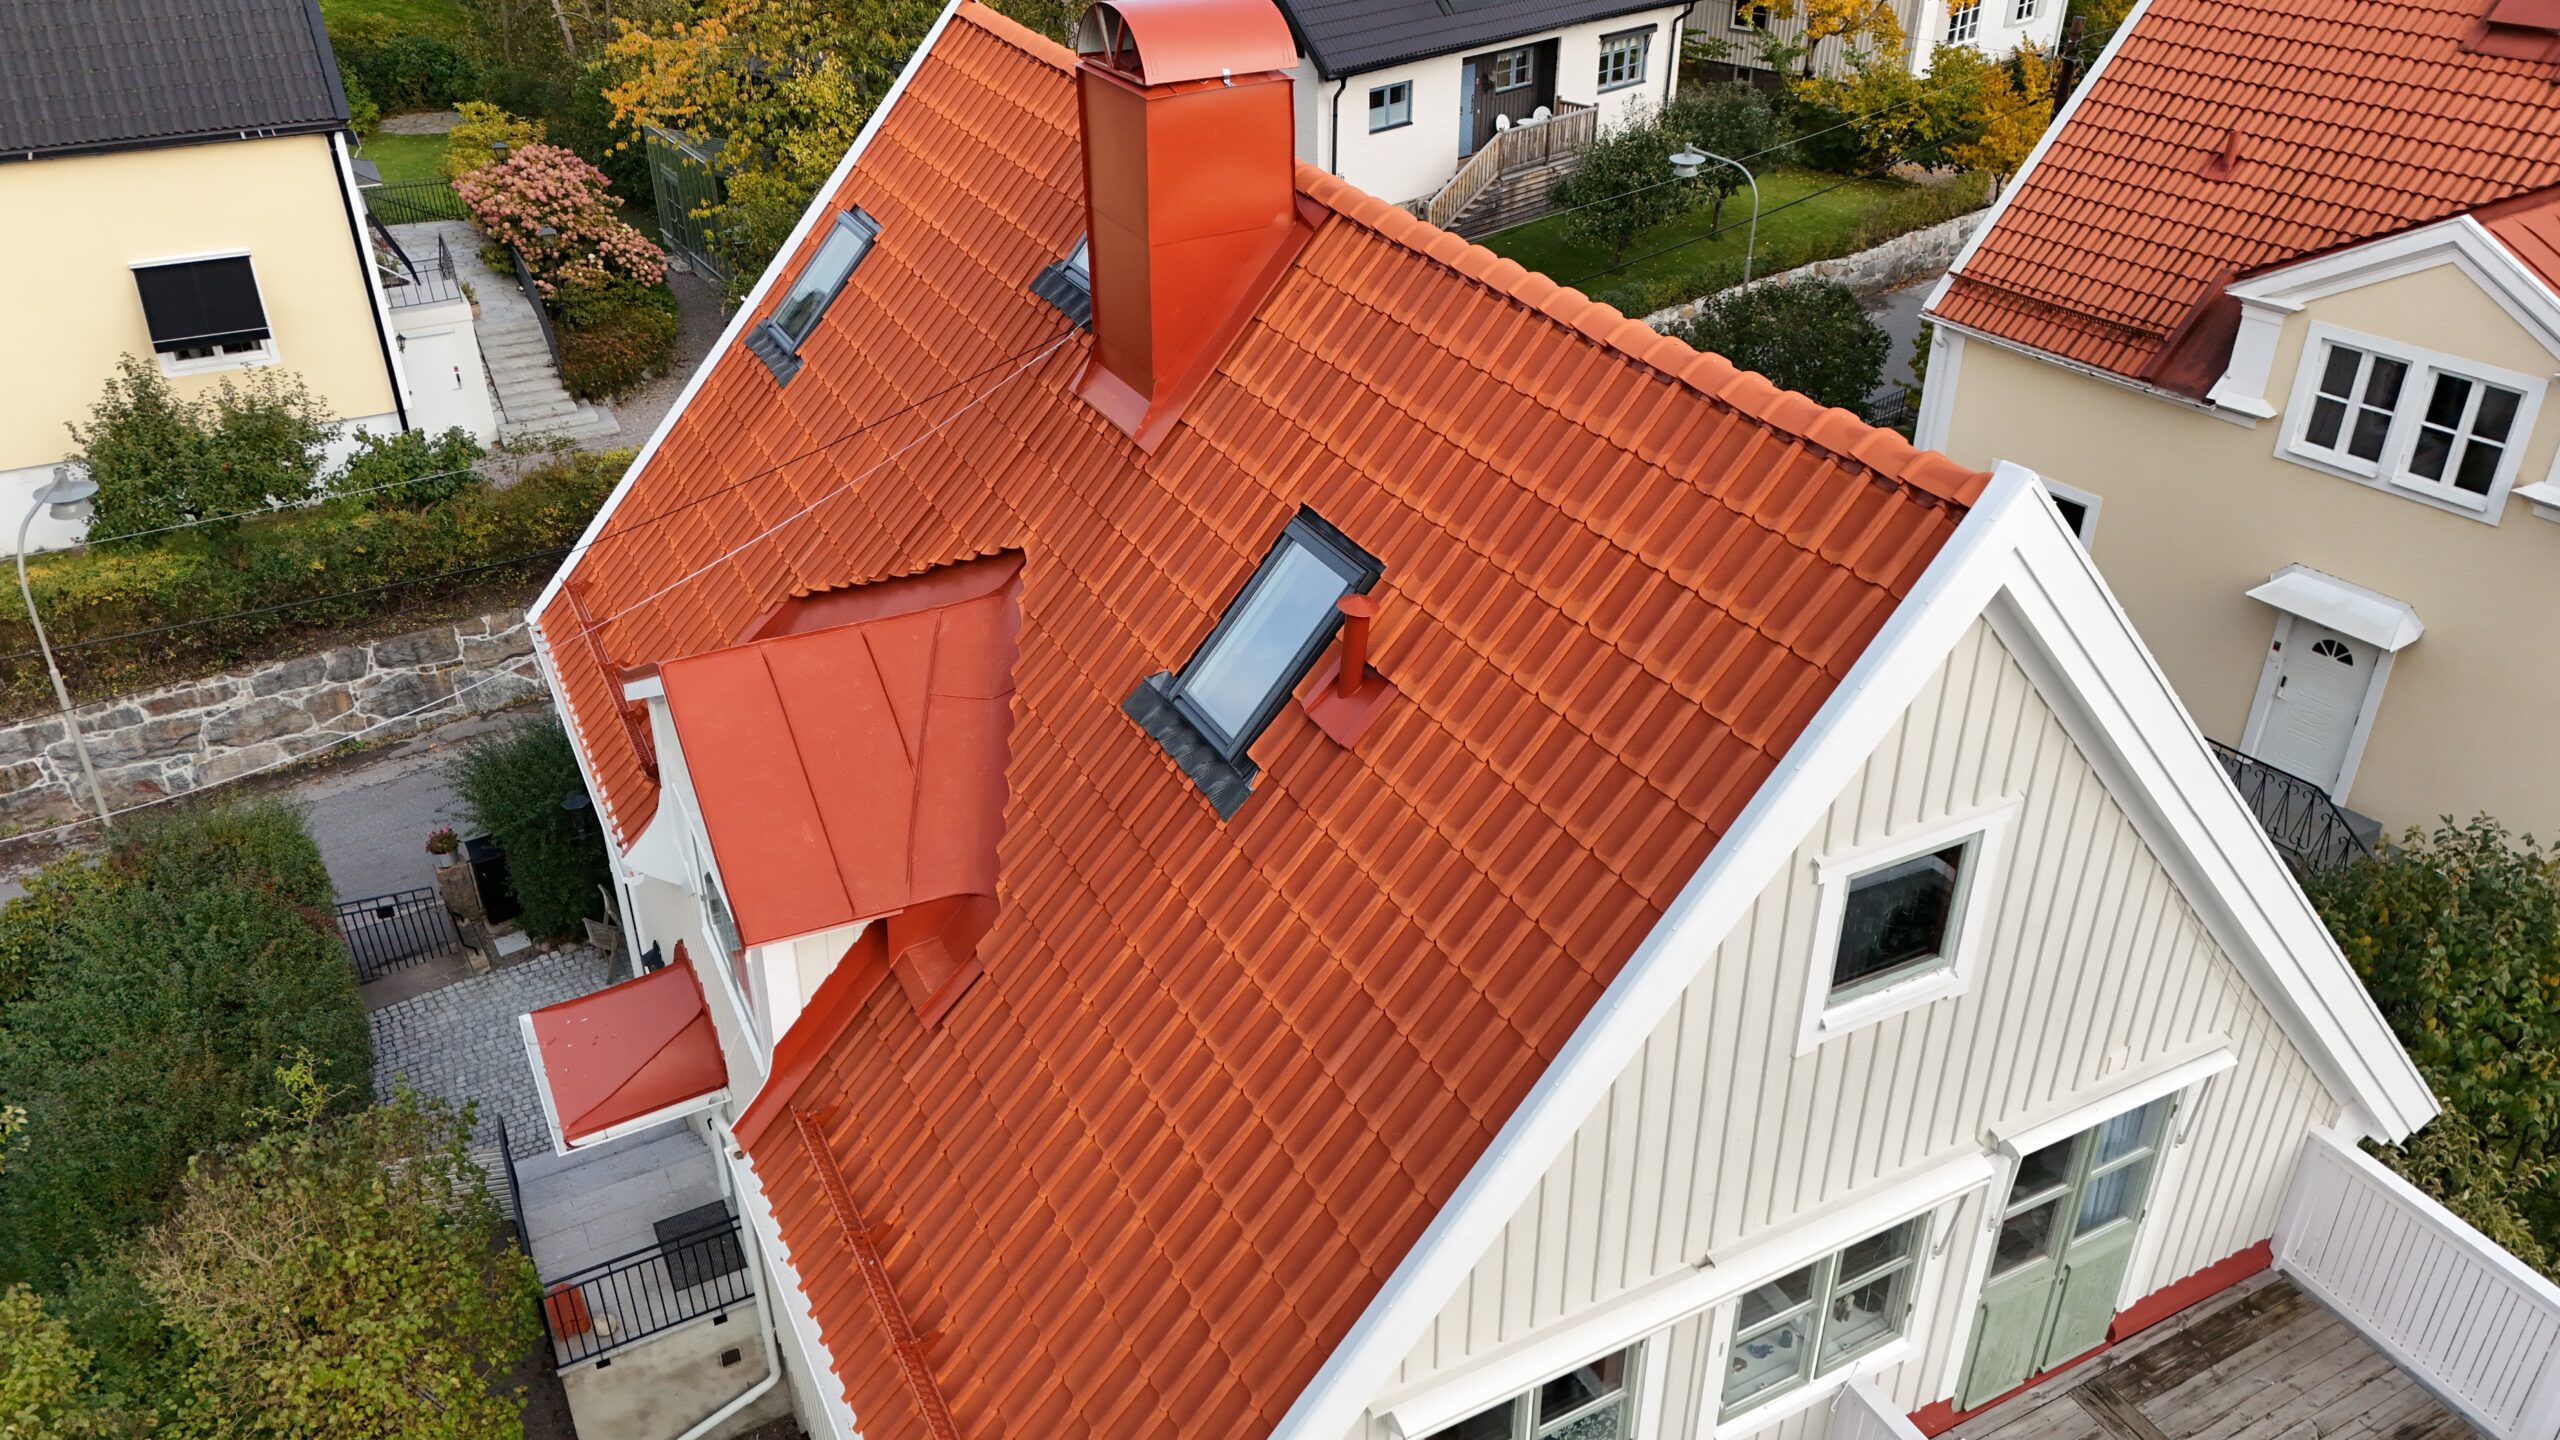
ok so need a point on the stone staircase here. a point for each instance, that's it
(1517, 198)
(532, 403)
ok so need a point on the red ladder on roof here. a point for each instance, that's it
(864, 1240)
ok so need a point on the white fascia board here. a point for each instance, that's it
(2017, 182)
(820, 205)
(2461, 242)
(542, 1085)
(2013, 559)
(2159, 1083)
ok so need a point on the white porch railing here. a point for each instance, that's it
(1862, 1412)
(2440, 1298)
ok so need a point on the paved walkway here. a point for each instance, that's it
(532, 403)
(462, 1043)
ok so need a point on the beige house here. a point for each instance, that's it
(180, 188)
(2316, 467)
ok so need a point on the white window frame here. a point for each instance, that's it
(1986, 833)
(1525, 74)
(1375, 91)
(2087, 500)
(1750, 17)
(263, 353)
(2389, 472)
(1616, 43)
(2024, 12)
(1631, 1396)
(1964, 21)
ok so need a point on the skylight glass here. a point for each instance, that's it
(1263, 645)
(819, 280)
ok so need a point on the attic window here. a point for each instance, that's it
(778, 339)
(1068, 284)
(1213, 709)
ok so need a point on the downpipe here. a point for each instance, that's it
(764, 1314)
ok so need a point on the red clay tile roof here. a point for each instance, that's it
(626, 1051)
(2355, 118)
(1216, 1079)
(2529, 227)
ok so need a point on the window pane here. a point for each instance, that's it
(2328, 417)
(2112, 1196)
(2025, 1238)
(1877, 1250)
(2339, 376)
(2428, 456)
(2044, 1170)
(1570, 1392)
(2497, 412)
(2383, 386)
(2371, 428)
(1776, 1297)
(1493, 1424)
(1897, 916)
(1862, 1317)
(2444, 407)
(1765, 1362)
(2127, 1132)
(2479, 466)
(1291, 601)
(1609, 1422)
(799, 311)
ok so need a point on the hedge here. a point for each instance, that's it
(95, 600)
(154, 999)
(614, 337)
(511, 786)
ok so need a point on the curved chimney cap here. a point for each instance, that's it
(1177, 40)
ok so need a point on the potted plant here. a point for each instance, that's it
(441, 843)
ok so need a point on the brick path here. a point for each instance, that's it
(462, 1042)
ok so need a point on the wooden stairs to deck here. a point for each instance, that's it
(1516, 198)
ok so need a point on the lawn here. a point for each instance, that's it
(405, 157)
(1803, 217)
(444, 18)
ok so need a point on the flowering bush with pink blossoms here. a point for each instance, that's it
(544, 185)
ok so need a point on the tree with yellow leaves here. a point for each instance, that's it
(2011, 104)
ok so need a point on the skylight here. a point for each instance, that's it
(1218, 704)
(1068, 284)
(777, 341)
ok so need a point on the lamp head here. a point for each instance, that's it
(67, 496)
(1686, 162)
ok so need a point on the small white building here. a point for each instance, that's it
(1394, 97)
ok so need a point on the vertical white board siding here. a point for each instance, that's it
(1718, 1133)
(1681, 1356)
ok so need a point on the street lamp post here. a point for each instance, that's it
(67, 497)
(1685, 163)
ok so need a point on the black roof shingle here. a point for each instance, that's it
(78, 75)
(1346, 37)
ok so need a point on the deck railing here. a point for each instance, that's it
(2299, 816)
(2443, 1300)
(1572, 127)
(1862, 1412)
(598, 1310)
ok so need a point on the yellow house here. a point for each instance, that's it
(177, 185)
(2280, 338)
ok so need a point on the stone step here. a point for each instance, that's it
(528, 411)
(531, 350)
(585, 423)
(535, 370)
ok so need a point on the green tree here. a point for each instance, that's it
(159, 458)
(1807, 335)
(48, 1387)
(337, 1276)
(1623, 186)
(1734, 120)
(512, 786)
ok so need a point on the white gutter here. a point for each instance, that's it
(753, 1393)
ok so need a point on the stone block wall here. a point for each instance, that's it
(203, 732)
(1905, 257)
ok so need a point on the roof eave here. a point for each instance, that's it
(171, 142)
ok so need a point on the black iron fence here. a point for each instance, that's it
(541, 307)
(409, 201)
(2307, 826)
(386, 932)
(425, 279)
(605, 1307)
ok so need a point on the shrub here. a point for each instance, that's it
(411, 72)
(155, 1021)
(1735, 120)
(545, 186)
(159, 459)
(1808, 335)
(1623, 186)
(511, 786)
(614, 336)
(471, 144)
(275, 561)
(363, 116)
(335, 1276)
(421, 469)
(48, 1385)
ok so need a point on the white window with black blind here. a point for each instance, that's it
(204, 313)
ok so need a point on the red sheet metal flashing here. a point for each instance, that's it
(1179, 40)
(839, 999)
(886, 599)
(848, 773)
(628, 1050)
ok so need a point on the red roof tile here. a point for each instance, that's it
(2529, 227)
(626, 1051)
(1217, 1078)
(2352, 118)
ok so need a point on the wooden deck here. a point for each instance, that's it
(2263, 1362)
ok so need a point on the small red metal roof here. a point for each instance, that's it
(855, 770)
(1182, 40)
(625, 1051)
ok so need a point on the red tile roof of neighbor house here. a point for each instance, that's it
(2345, 120)
(1216, 1078)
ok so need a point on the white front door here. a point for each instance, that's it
(2321, 681)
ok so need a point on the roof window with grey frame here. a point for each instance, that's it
(1208, 713)
(777, 339)
(1068, 284)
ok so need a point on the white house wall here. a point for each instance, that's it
(1414, 161)
(2095, 974)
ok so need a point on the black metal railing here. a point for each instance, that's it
(2307, 826)
(413, 283)
(541, 308)
(515, 1187)
(596, 1311)
(407, 202)
(385, 932)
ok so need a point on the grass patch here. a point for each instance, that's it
(445, 19)
(404, 158)
(1817, 223)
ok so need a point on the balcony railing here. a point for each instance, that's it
(1570, 128)
(2307, 826)
(605, 1307)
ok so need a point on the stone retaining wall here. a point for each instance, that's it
(179, 737)
(1905, 257)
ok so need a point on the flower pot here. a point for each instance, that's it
(444, 859)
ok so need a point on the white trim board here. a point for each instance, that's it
(2013, 560)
